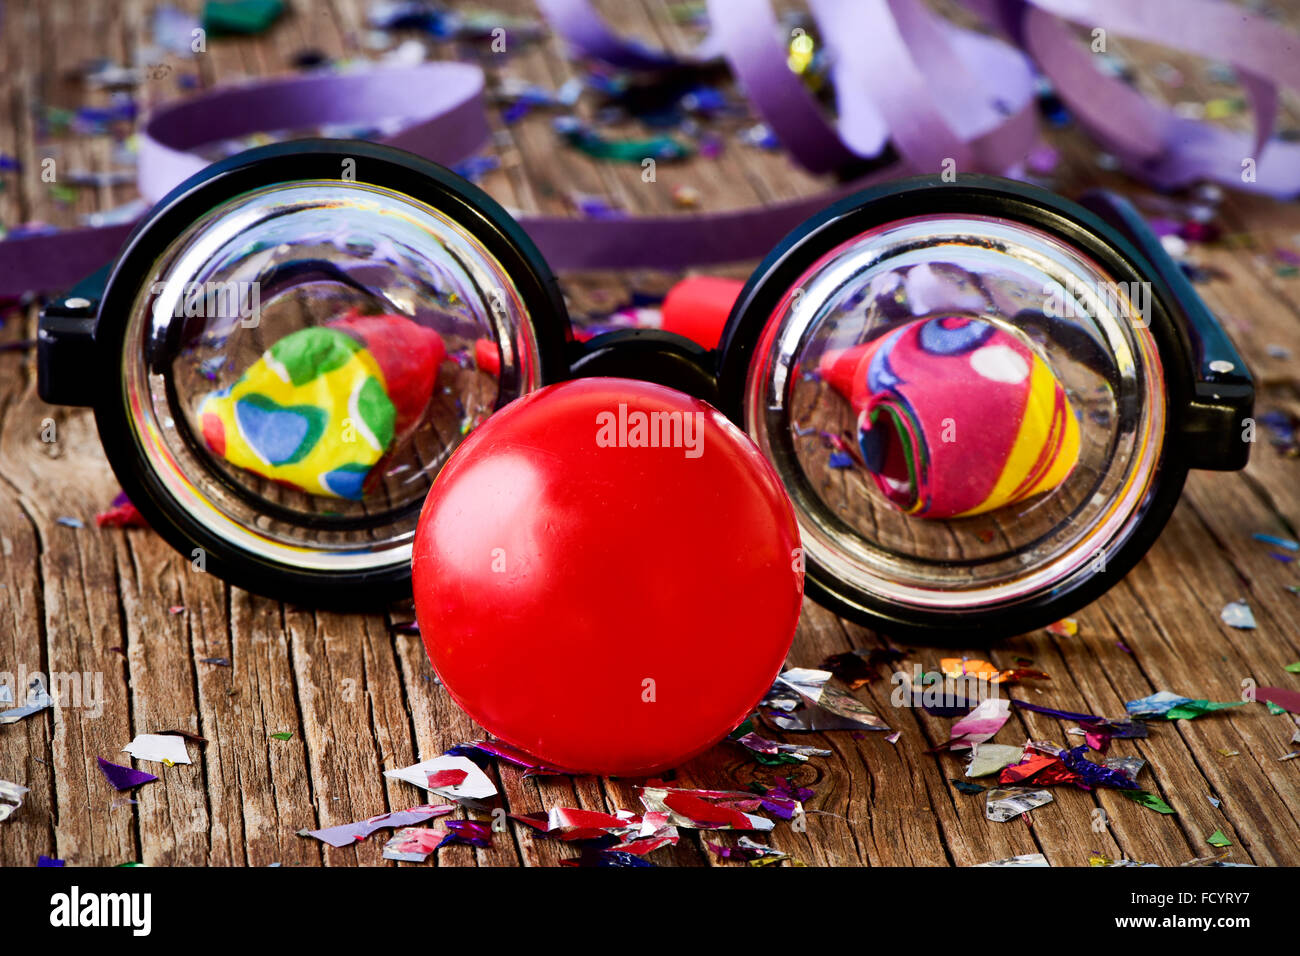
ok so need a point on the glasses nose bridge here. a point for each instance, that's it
(651, 355)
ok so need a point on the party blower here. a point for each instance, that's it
(980, 399)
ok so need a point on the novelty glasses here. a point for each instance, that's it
(982, 399)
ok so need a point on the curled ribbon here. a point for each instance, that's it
(914, 94)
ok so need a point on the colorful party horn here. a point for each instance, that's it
(323, 405)
(956, 416)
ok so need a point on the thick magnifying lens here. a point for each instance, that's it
(293, 357)
(975, 399)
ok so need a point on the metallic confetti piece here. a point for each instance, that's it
(707, 809)
(783, 798)
(1040, 769)
(1094, 774)
(69, 522)
(794, 752)
(348, 833)
(1214, 801)
(1156, 705)
(1286, 543)
(586, 139)
(1218, 839)
(747, 849)
(965, 787)
(44, 860)
(1129, 766)
(1148, 800)
(893, 738)
(1027, 859)
(980, 724)
(636, 834)
(1291, 756)
(467, 833)
(447, 778)
(162, 748)
(1006, 803)
(1292, 668)
(968, 667)
(1098, 860)
(1239, 615)
(1066, 627)
(596, 857)
(474, 785)
(37, 700)
(533, 766)
(1051, 712)
(413, 844)
(123, 778)
(1283, 697)
(1225, 752)
(282, 735)
(844, 710)
(11, 798)
(990, 758)
(1197, 708)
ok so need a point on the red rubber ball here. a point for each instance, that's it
(607, 575)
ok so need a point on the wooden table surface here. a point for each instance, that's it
(360, 699)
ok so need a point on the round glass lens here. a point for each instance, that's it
(968, 412)
(304, 358)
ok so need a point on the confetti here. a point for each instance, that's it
(980, 724)
(990, 758)
(38, 699)
(582, 137)
(1066, 627)
(413, 844)
(1281, 696)
(11, 798)
(1006, 803)
(347, 834)
(832, 708)
(472, 785)
(1218, 839)
(1148, 800)
(1286, 543)
(634, 834)
(792, 753)
(1027, 859)
(1095, 774)
(123, 778)
(467, 833)
(746, 849)
(1239, 615)
(162, 748)
(121, 514)
(282, 735)
(711, 809)
(1170, 706)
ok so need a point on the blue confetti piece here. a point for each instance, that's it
(1286, 543)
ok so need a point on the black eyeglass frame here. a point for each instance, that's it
(1210, 392)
